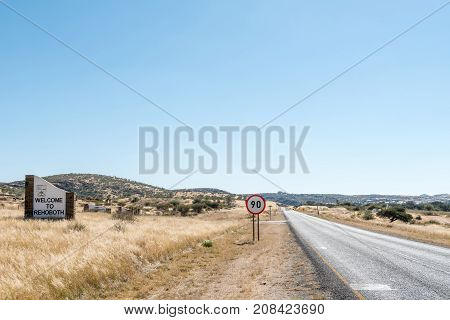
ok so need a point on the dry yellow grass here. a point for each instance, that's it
(233, 268)
(61, 260)
(432, 233)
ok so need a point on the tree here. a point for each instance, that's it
(395, 213)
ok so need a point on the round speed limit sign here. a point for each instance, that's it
(255, 204)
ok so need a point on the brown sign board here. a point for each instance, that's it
(43, 200)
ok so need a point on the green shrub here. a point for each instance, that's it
(174, 203)
(183, 209)
(134, 200)
(207, 243)
(162, 206)
(212, 205)
(395, 213)
(197, 207)
(367, 215)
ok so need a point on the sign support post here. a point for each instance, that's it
(255, 205)
(258, 227)
(253, 224)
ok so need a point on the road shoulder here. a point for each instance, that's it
(233, 268)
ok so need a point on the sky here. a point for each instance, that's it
(380, 128)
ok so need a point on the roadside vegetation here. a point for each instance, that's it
(423, 222)
(81, 259)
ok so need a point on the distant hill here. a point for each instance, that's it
(204, 190)
(291, 199)
(95, 186)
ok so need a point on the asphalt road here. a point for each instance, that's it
(375, 265)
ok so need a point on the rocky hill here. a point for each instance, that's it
(95, 186)
(13, 191)
(204, 190)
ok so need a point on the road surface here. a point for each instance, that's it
(375, 265)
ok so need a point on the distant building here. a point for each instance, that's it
(127, 210)
(91, 207)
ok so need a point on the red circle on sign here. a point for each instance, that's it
(257, 212)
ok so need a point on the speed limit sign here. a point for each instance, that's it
(255, 204)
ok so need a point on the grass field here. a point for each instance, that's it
(80, 259)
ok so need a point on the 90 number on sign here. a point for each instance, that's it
(255, 204)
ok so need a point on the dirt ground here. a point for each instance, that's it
(233, 268)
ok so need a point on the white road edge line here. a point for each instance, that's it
(371, 286)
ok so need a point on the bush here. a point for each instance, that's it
(418, 218)
(162, 206)
(134, 200)
(207, 243)
(174, 203)
(77, 226)
(183, 209)
(432, 222)
(229, 202)
(395, 213)
(367, 215)
(197, 207)
(212, 205)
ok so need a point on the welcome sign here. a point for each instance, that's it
(43, 200)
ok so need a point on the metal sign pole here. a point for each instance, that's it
(258, 227)
(255, 205)
(253, 227)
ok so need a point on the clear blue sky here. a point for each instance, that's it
(381, 128)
